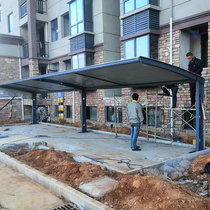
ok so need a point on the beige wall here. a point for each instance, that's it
(9, 6)
(9, 50)
(182, 9)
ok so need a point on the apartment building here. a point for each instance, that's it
(45, 36)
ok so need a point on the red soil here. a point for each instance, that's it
(133, 192)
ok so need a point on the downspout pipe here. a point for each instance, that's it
(171, 60)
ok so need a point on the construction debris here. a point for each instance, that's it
(99, 187)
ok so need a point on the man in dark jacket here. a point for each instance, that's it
(195, 65)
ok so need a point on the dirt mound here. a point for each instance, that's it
(197, 168)
(133, 192)
(146, 192)
(62, 166)
(199, 164)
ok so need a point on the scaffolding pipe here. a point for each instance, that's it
(164, 132)
(156, 100)
(115, 117)
(147, 131)
(73, 107)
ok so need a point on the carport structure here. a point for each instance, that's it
(132, 73)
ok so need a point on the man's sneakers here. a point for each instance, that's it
(137, 149)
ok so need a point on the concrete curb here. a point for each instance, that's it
(125, 135)
(189, 157)
(57, 187)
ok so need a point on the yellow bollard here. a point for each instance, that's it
(194, 141)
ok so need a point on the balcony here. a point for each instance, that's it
(23, 10)
(41, 6)
(43, 49)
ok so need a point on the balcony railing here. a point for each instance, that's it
(41, 6)
(43, 49)
(23, 10)
(25, 51)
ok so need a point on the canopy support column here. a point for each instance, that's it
(83, 112)
(199, 116)
(34, 120)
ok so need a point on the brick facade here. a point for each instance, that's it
(16, 110)
(33, 67)
(9, 69)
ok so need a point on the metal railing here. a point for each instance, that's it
(41, 6)
(43, 49)
(23, 10)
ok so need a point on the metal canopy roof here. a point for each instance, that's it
(137, 73)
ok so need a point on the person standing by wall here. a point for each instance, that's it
(135, 118)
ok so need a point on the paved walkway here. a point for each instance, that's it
(17, 192)
(110, 150)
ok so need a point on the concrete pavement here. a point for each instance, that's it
(18, 192)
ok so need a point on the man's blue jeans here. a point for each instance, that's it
(134, 134)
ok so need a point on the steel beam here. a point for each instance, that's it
(83, 112)
(199, 116)
(34, 119)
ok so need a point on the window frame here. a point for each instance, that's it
(77, 55)
(65, 27)
(56, 111)
(52, 40)
(135, 46)
(151, 118)
(89, 107)
(10, 30)
(0, 12)
(70, 112)
(118, 114)
(77, 23)
(23, 5)
(135, 8)
(85, 60)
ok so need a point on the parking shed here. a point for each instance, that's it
(132, 73)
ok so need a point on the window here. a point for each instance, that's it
(130, 5)
(67, 64)
(91, 113)
(113, 92)
(10, 22)
(141, 3)
(65, 25)
(54, 30)
(23, 10)
(78, 61)
(81, 16)
(0, 12)
(81, 60)
(68, 112)
(54, 67)
(137, 47)
(110, 114)
(151, 116)
(130, 49)
(56, 111)
(142, 46)
(76, 17)
(41, 6)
